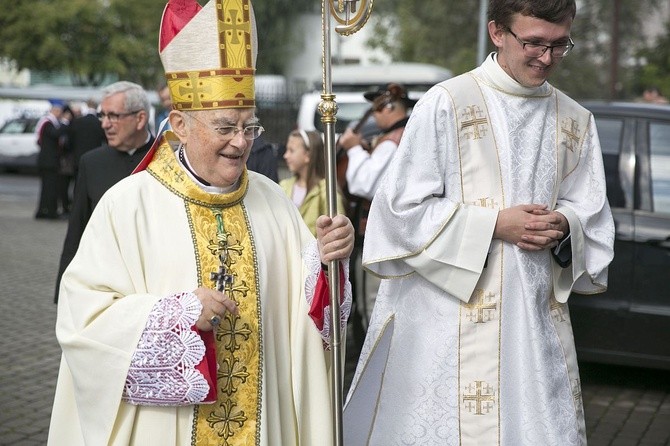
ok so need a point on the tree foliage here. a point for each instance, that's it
(444, 32)
(92, 39)
(87, 39)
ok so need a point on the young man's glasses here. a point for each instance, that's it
(250, 132)
(535, 50)
(114, 117)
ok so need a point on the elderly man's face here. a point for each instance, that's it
(218, 159)
(125, 129)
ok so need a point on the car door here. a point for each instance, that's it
(597, 319)
(649, 320)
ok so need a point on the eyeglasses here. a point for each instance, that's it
(536, 50)
(114, 117)
(250, 132)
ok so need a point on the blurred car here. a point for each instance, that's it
(18, 145)
(629, 324)
(349, 82)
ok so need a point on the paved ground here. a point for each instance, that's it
(624, 406)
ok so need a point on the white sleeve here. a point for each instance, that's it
(365, 170)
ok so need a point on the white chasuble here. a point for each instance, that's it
(155, 234)
(480, 350)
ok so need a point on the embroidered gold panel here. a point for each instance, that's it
(215, 219)
(480, 318)
(234, 418)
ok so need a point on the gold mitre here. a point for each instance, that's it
(209, 53)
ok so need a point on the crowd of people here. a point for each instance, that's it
(63, 135)
(463, 225)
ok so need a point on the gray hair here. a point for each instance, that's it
(135, 96)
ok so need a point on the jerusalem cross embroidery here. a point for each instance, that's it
(576, 390)
(558, 311)
(570, 134)
(194, 89)
(482, 307)
(486, 202)
(479, 397)
(474, 124)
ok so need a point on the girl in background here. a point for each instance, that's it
(305, 159)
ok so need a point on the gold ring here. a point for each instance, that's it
(215, 320)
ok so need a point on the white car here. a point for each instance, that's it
(18, 144)
(351, 81)
(350, 107)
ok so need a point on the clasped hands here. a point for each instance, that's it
(335, 240)
(531, 227)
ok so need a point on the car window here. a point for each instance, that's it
(610, 133)
(14, 127)
(659, 147)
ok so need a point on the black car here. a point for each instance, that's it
(630, 323)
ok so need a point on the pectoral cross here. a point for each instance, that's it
(223, 278)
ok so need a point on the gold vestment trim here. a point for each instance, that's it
(235, 417)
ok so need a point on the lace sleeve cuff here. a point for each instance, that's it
(318, 294)
(162, 370)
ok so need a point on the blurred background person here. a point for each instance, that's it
(165, 106)
(263, 159)
(124, 115)
(653, 95)
(66, 159)
(305, 159)
(49, 130)
(85, 133)
(366, 163)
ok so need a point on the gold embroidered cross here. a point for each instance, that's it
(231, 331)
(481, 308)
(229, 372)
(483, 399)
(474, 122)
(195, 88)
(570, 131)
(486, 202)
(557, 310)
(233, 27)
(226, 418)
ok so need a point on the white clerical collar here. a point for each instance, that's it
(188, 168)
(492, 74)
(131, 151)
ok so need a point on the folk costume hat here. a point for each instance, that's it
(209, 53)
(209, 57)
(388, 93)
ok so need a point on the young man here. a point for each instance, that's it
(193, 311)
(491, 213)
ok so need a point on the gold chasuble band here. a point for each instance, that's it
(480, 318)
(218, 221)
(232, 84)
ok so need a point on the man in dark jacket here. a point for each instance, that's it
(49, 132)
(85, 133)
(263, 159)
(124, 114)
